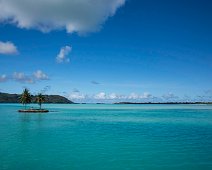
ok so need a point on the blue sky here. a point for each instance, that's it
(135, 50)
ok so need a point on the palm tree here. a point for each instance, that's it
(40, 99)
(25, 97)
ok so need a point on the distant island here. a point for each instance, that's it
(163, 103)
(15, 98)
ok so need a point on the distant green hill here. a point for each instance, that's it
(14, 98)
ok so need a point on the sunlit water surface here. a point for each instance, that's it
(106, 137)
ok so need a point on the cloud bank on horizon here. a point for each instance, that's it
(79, 16)
(102, 96)
(132, 97)
(135, 97)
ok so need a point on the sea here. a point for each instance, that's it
(106, 137)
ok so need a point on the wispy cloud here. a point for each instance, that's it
(25, 78)
(208, 92)
(102, 96)
(45, 89)
(75, 90)
(136, 96)
(3, 78)
(22, 78)
(39, 75)
(8, 48)
(77, 96)
(170, 96)
(94, 82)
(206, 96)
(46, 15)
(63, 54)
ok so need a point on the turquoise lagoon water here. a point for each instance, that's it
(107, 137)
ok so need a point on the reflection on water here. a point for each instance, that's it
(28, 117)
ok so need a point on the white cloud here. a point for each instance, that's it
(136, 96)
(8, 48)
(3, 78)
(111, 96)
(146, 95)
(77, 96)
(21, 77)
(46, 15)
(132, 97)
(39, 75)
(100, 96)
(32, 78)
(63, 54)
(170, 96)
